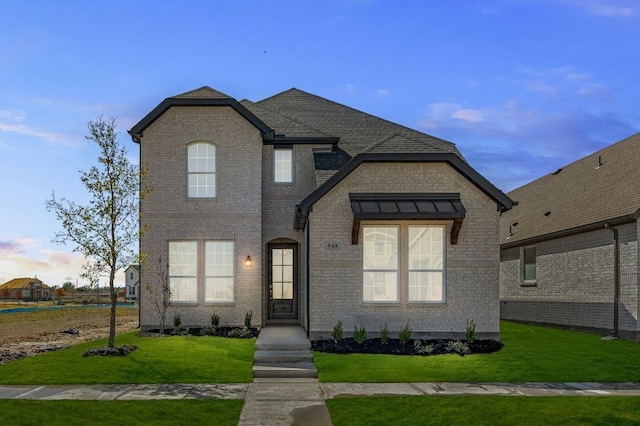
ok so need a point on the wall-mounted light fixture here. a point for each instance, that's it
(248, 261)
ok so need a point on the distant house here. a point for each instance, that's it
(305, 211)
(569, 247)
(27, 289)
(132, 281)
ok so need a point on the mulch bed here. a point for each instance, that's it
(394, 347)
(234, 332)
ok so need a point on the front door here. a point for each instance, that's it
(282, 282)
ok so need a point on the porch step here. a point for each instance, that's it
(285, 370)
(275, 357)
(283, 352)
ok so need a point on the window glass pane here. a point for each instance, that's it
(287, 290)
(201, 167)
(283, 165)
(380, 248)
(182, 258)
(425, 286)
(183, 289)
(380, 286)
(219, 270)
(529, 269)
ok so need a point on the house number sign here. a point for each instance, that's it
(333, 246)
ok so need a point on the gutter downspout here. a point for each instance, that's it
(616, 277)
(308, 315)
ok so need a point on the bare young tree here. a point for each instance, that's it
(161, 298)
(106, 229)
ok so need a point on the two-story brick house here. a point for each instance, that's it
(305, 211)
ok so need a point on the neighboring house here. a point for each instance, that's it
(305, 211)
(569, 247)
(132, 281)
(28, 289)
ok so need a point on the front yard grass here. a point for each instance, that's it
(531, 354)
(175, 359)
(485, 410)
(157, 412)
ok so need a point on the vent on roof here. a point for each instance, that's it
(599, 162)
(557, 171)
(547, 213)
(514, 224)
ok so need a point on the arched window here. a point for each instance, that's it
(201, 170)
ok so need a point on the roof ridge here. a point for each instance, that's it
(394, 135)
(187, 94)
(366, 114)
(579, 160)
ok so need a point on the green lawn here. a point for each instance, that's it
(165, 412)
(485, 410)
(531, 354)
(176, 359)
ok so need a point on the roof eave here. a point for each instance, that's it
(601, 224)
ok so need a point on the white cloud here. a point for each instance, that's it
(351, 88)
(607, 8)
(473, 116)
(55, 138)
(382, 93)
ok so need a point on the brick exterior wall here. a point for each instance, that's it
(472, 266)
(574, 282)
(235, 213)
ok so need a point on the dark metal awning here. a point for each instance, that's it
(407, 206)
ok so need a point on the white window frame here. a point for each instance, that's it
(219, 272)
(524, 265)
(425, 270)
(283, 167)
(201, 170)
(183, 284)
(373, 274)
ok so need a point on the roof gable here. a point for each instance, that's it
(203, 97)
(603, 187)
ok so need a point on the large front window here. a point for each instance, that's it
(380, 264)
(218, 271)
(183, 271)
(201, 170)
(426, 263)
(186, 269)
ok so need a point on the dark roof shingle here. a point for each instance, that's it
(577, 195)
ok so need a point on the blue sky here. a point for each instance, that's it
(521, 86)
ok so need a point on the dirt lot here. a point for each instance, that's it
(29, 333)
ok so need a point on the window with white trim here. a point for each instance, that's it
(283, 165)
(218, 271)
(529, 264)
(183, 271)
(380, 263)
(201, 170)
(426, 263)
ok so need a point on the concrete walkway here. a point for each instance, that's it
(284, 390)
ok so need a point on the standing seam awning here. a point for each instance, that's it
(406, 206)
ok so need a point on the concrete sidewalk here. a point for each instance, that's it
(284, 390)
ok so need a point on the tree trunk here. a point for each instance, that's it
(112, 314)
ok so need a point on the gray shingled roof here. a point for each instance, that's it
(281, 124)
(357, 130)
(578, 195)
(203, 92)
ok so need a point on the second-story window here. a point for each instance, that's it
(283, 165)
(201, 170)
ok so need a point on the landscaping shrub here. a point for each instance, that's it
(247, 318)
(338, 332)
(405, 334)
(360, 334)
(215, 319)
(470, 331)
(384, 334)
